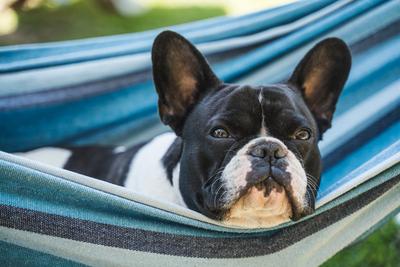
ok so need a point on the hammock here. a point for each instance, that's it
(99, 91)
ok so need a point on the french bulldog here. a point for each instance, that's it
(242, 154)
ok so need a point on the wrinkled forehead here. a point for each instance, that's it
(232, 103)
(245, 108)
(253, 100)
(251, 110)
(281, 97)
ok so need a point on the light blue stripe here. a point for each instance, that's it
(352, 32)
(53, 123)
(361, 117)
(250, 61)
(370, 62)
(336, 175)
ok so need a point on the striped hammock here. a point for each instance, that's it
(99, 91)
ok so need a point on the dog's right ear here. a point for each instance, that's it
(181, 75)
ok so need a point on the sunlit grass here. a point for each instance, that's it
(8, 21)
(86, 18)
(232, 7)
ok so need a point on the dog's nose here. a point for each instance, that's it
(268, 149)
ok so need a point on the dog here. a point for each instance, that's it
(244, 155)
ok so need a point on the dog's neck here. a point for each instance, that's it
(172, 157)
(154, 171)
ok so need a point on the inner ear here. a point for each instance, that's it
(320, 76)
(181, 75)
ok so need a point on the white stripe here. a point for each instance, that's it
(263, 130)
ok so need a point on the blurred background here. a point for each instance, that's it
(27, 21)
(33, 21)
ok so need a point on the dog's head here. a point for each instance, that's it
(249, 153)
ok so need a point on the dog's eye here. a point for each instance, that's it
(220, 133)
(302, 134)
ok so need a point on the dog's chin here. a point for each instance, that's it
(260, 206)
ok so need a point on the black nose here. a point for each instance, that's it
(268, 149)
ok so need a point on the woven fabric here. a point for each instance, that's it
(50, 216)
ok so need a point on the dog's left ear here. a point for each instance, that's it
(320, 76)
(181, 75)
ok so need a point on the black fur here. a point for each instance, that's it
(171, 158)
(172, 76)
(193, 102)
(320, 76)
(101, 162)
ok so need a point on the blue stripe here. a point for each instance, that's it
(13, 255)
(260, 56)
(337, 175)
(53, 123)
(354, 32)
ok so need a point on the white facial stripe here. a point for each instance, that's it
(234, 176)
(263, 130)
(299, 179)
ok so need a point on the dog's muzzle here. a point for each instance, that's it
(265, 185)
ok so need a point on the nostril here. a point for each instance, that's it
(258, 152)
(268, 150)
(280, 153)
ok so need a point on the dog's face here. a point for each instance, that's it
(249, 153)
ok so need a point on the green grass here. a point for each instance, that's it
(381, 248)
(85, 18)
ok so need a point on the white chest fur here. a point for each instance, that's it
(147, 175)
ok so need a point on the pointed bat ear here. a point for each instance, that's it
(181, 75)
(320, 76)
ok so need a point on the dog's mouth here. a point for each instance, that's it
(259, 192)
(264, 204)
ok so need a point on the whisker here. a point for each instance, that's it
(216, 195)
